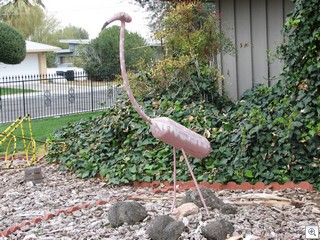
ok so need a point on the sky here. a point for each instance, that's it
(91, 15)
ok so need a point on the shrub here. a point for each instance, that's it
(119, 146)
(12, 45)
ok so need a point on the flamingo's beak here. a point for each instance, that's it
(121, 16)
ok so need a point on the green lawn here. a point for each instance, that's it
(41, 129)
(7, 91)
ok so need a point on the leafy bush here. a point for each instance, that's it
(12, 45)
(247, 144)
(264, 143)
(119, 146)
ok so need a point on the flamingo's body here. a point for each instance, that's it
(180, 137)
(163, 128)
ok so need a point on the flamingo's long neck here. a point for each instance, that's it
(125, 76)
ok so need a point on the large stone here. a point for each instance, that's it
(228, 209)
(211, 200)
(165, 228)
(184, 210)
(126, 212)
(217, 230)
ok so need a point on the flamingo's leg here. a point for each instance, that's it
(174, 179)
(195, 181)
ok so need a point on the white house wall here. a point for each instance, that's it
(255, 28)
(29, 66)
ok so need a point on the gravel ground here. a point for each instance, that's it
(20, 201)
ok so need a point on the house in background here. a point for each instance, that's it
(65, 57)
(33, 64)
(255, 28)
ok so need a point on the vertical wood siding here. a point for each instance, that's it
(255, 28)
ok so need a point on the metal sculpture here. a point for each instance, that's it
(163, 128)
(9, 137)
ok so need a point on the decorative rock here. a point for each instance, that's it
(185, 209)
(209, 196)
(126, 212)
(30, 237)
(165, 228)
(217, 230)
(30, 184)
(211, 200)
(33, 174)
(228, 209)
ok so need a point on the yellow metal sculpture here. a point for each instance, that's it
(28, 142)
(9, 137)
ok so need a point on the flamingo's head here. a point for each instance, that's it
(121, 16)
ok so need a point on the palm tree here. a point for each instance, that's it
(23, 15)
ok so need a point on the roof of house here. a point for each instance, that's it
(75, 41)
(32, 47)
(64, 51)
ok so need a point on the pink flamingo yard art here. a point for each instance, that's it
(163, 128)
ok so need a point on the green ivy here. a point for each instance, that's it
(119, 146)
(276, 131)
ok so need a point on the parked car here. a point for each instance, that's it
(54, 77)
(69, 73)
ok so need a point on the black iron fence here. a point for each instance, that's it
(54, 95)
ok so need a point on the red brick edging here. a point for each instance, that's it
(219, 186)
(46, 217)
(164, 187)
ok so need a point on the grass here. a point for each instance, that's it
(41, 130)
(7, 91)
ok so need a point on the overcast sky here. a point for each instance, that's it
(92, 14)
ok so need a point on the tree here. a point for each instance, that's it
(50, 32)
(25, 16)
(156, 8)
(191, 41)
(101, 57)
(24, 2)
(72, 32)
(28, 17)
(159, 8)
(12, 45)
(28, 2)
